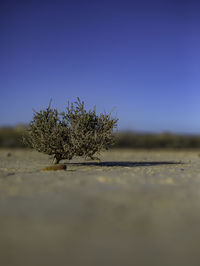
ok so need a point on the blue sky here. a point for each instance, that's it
(141, 58)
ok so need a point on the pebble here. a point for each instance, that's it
(55, 167)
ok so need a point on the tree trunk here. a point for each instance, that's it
(56, 160)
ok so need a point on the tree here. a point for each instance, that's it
(75, 132)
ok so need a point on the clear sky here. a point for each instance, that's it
(141, 58)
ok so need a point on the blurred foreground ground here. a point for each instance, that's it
(135, 208)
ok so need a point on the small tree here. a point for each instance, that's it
(74, 132)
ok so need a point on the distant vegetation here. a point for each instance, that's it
(11, 137)
(156, 141)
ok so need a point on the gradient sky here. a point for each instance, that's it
(141, 58)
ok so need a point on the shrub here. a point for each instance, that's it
(75, 132)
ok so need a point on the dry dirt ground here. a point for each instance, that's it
(135, 208)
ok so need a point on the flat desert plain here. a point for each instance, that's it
(136, 207)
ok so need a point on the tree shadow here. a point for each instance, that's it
(124, 163)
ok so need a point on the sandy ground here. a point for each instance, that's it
(134, 208)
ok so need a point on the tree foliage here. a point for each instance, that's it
(74, 132)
